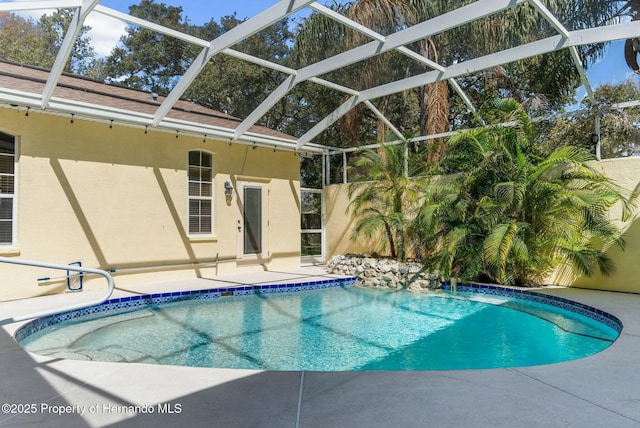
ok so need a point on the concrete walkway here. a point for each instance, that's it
(599, 391)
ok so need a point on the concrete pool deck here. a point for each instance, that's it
(599, 391)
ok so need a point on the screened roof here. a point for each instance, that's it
(243, 130)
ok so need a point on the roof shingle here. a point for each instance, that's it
(70, 87)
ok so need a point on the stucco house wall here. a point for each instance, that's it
(115, 197)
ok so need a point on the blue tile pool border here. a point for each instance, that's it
(131, 303)
(545, 299)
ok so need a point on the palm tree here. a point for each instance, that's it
(507, 213)
(385, 205)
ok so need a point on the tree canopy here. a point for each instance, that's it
(619, 133)
(27, 41)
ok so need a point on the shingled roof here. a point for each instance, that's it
(89, 92)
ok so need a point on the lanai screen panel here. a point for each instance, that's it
(572, 37)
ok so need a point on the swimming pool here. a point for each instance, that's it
(334, 328)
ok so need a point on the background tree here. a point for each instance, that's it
(148, 60)
(619, 134)
(26, 41)
(20, 41)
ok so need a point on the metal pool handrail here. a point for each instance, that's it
(60, 267)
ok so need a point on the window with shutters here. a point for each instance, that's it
(200, 183)
(7, 189)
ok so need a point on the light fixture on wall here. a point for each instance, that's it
(228, 189)
(595, 138)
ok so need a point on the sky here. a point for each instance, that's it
(200, 12)
(106, 32)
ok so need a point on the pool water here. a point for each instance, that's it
(334, 329)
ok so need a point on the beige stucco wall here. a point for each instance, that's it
(117, 198)
(626, 278)
(339, 225)
(625, 171)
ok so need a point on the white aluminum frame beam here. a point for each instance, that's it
(546, 13)
(616, 106)
(383, 118)
(560, 28)
(373, 34)
(479, 9)
(447, 21)
(246, 29)
(550, 44)
(583, 75)
(204, 44)
(75, 27)
(116, 14)
(330, 13)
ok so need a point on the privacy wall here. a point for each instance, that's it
(625, 171)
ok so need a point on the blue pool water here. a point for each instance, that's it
(333, 329)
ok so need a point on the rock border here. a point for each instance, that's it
(384, 272)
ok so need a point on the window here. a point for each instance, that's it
(311, 225)
(7, 188)
(200, 193)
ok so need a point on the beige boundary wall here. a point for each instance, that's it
(116, 198)
(625, 171)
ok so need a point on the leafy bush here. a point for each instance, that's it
(495, 208)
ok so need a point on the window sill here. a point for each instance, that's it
(203, 238)
(9, 251)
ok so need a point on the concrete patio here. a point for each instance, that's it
(602, 390)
